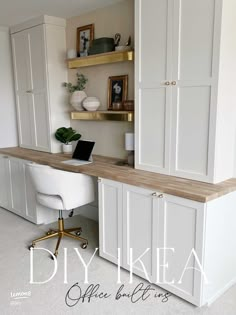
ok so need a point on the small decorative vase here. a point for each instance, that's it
(76, 100)
(67, 148)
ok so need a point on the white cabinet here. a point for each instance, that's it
(39, 67)
(180, 231)
(110, 219)
(140, 219)
(17, 193)
(17, 187)
(146, 225)
(184, 71)
(4, 181)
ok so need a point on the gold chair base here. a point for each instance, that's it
(60, 233)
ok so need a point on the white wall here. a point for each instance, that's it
(8, 127)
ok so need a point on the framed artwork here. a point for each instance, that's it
(85, 35)
(117, 89)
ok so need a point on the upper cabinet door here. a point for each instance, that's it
(193, 96)
(153, 56)
(38, 68)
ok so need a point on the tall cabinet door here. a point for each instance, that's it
(140, 217)
(181, 230)
(31, 88)
(153, 24)
(110, 219)
(23, 88)
(194, 95)
(41, 133)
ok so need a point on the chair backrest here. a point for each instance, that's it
(75, 189)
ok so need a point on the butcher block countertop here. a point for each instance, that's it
(106, 167)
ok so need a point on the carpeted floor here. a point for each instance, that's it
(52, 298)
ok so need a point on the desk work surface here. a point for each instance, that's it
(106, 167)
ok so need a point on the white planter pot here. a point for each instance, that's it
(76, 100)
(67, 148)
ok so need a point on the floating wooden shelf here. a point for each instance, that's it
(93, 60)
(104, 115)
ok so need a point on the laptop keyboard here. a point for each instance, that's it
(76, 162)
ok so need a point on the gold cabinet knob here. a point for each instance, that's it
(160, 196)
(173, 82)
(154, 194)
(167, 83)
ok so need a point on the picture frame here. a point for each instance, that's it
(117, 89)
(85, 35)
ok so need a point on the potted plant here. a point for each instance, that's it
(66, 136)
(77, 91)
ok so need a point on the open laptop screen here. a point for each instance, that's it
(83, 150)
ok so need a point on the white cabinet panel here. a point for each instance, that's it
(190, 133)
(195, 26)
(139, 222)
(181, 227)
(21, 65)
(153, 66)
(41, 124)
(17, 186)
(110, 219)
(4, 181)
(153, 133)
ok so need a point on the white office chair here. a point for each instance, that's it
(63, 191)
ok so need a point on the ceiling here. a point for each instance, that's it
(16, 11)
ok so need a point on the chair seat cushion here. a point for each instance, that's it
(50, 201)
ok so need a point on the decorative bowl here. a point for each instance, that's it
(91, 103)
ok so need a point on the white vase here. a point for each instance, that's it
(76, 100)
(67, 148)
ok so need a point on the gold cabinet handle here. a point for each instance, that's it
(154, 194)
(173, 83)
(160, 196)
(167, 83)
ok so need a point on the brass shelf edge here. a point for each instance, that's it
(103, 116)
(106, 58)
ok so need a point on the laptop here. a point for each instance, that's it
(82, 153)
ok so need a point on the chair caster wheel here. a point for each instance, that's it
(50, 232)
(78, 233)
(84, 245)
(31, 247)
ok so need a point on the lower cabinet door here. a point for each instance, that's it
(17, 186)
(4, 182)
(110, 219)
(181, 231)
(31, 205)
(140, 216)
